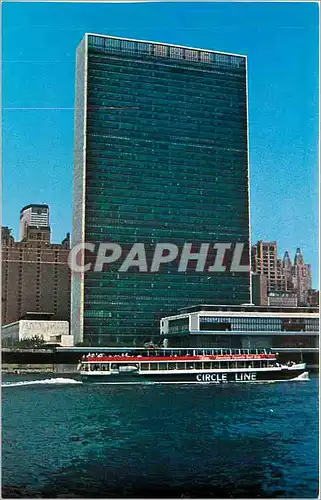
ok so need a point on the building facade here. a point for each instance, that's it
(242, 327)
(161, 155)
(51, 332)
(282, 275)
(33, 215)
(35, 275)
(265, 262)
(302, 279)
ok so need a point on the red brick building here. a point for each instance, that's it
(35, 275)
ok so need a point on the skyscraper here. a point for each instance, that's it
(265, 261)
(161, 155)
(33, 215)
(302, 279)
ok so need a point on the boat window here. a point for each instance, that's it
(144, 366)
(162, 366)
(153, 366)
(207, 366)
(198, 366)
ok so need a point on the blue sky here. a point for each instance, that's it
(281, 42)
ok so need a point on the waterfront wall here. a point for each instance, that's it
(19, 368)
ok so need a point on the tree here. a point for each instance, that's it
(31, 342)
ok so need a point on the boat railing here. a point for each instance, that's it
(202, 353)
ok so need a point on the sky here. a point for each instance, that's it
(281, 43)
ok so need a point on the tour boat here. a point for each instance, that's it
(192, 366)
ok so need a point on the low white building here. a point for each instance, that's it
(244, 326)
(52, 332)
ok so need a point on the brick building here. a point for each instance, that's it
(35, 275)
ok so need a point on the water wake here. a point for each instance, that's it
(42, 382)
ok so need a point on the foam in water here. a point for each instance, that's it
(45, 381)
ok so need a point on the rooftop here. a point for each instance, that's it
(248, 308)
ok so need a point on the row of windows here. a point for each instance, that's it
(139, 125)
(130, 107)
(101, 107)
(126, 73)
(203, 116)
(100, 212)
(173, 131)
(165, 197)
(211, 190)
(217, 103)
(149, 147)
(160, 78)
(203, 171)
(214, 95)
(156, 223)
(157, 72)
(160, 67)
(153, 69)
(100, 94)
(134, 194)
(107, 284)
(261, 324)
(149, 141)
(218, 225)
(140, 301)
(152, 231)
(191, 365)
(131, 235)
(143, 49)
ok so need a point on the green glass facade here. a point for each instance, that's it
(161, 155)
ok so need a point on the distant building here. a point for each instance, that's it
(285, 273)
(242, 327)
(265, 262)
(33, 215)
(34, 325)
(282, 299)
(35, 275)
(302, 279)
(259, 289)
(282, 275)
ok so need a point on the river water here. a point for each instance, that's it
(62, 438)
